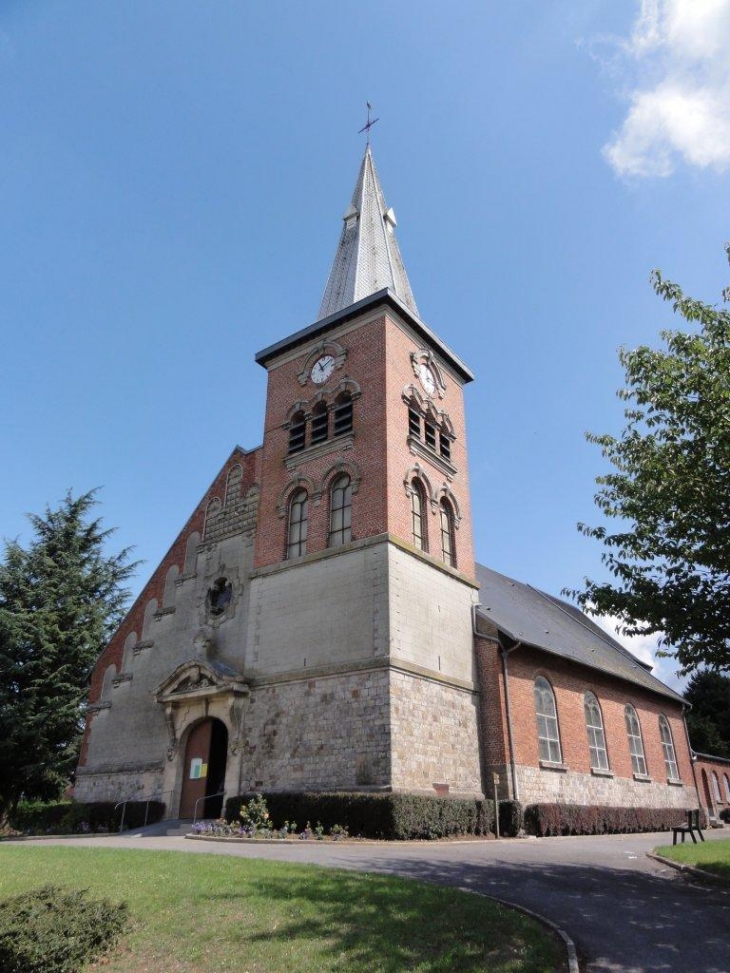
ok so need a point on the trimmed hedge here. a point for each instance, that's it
(391, 816)
(564, 819)
(511, 818)
(54, 930)
(74, 817)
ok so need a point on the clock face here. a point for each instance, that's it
(322, 369)
(426, 377)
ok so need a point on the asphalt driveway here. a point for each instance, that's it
(625, 912)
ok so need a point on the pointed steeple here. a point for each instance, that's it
(367, 258)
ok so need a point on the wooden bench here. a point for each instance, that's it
(692, 825)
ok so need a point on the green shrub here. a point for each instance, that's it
(74, 817)
(54, 930)
(564, 819)
(725, 815)
(511, 818)
(392, 816)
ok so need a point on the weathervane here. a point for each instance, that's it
(369, 124)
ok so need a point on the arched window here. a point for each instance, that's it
(298, 515)
(320, 423)
(716, 788)
(596, 736)
(636, 744)
(297, 432)
(341, 511)
(670, 759)
(448, 552)
(547, 722)
(343, 414)
(727, 788)
(418, 516)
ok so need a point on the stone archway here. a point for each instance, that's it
(204, 770)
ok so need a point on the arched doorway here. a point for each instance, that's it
(204, 770)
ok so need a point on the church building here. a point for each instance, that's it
(320, 623)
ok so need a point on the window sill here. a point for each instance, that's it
(643, 778)
(673, 782)
(419, 448)
(550, 765)
(343, 441)
(601, 773)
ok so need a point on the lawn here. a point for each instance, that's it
(710, 856)
(212, 913)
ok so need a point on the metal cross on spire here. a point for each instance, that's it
(369, 124)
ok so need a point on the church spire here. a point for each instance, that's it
(367, 258)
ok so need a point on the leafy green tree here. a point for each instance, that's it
(60, 601)
(708, 721)
(669, 491)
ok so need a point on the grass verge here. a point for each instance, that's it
(708, 856)
(208, 914)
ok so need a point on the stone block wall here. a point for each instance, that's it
(435, 737)
(327, 733)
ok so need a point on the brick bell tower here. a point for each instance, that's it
(363, 581)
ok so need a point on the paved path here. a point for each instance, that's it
(625, 912)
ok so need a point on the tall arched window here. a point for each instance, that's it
(418, 516)
(547, 722)
(727, 788)
(636, 744)
(596, 736)
(343, 414)
(716, 788)
(448, 552)
(298, 515)
(670, 758)
(320, 423)
(341, 511)
(297, 432)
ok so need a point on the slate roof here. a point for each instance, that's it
(368, 258)
(535, 618)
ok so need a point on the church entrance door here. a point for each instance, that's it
(204, 770)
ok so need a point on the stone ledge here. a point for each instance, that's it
(550, 765)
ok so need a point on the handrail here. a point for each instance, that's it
(132, 800)
(207, 797)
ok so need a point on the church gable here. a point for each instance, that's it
(228, 507)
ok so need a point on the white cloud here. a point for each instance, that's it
(677, 62)
(644, 647)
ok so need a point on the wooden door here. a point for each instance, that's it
(195, 769)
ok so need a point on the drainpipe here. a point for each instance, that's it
(504, 652)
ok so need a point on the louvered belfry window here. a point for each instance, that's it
(343, 414)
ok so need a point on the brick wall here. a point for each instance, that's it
(575, 781)
(376, 358)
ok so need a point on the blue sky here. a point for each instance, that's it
(172, 178)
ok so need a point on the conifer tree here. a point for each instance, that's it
(60, 600)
